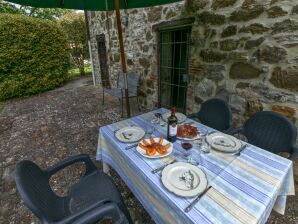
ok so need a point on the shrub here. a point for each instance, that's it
(34, 56)
(75, 27)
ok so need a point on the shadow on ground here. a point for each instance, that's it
(54, 125)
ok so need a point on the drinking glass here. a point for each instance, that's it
(204, 146)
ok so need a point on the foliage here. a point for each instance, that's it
(6, 7)
(33, 56)
(75, 72)
(74, 25)
(42, 13)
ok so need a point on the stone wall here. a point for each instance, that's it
(244, 51)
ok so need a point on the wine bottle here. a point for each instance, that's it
(172, 126)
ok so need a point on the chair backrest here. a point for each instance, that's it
(216, 114)
(132, 82)
(271, 131)
(33, 186)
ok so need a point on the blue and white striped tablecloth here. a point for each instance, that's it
(244, 189)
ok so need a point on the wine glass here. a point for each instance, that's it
(189, 153)
(204, 146)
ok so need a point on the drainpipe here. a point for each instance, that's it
(89, 46)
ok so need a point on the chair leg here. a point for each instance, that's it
(103, 97)
(121, 101)
(138, 104)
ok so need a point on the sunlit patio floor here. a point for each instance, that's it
(54, 125)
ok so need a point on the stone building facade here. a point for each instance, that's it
(243, 51)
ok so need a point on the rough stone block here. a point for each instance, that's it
(240, 70)
(276, 11)
(154, 14)
(247, 14)
(229, 45)
(212, 72)
(194, 5)
(252, 107)
(211, 18)
(216, 4)
(255, 28)
(254, 43)
(229, 31)
(170, 14)
(247, 4)
(295, 10)
(289, 112)
(212, 56)
(239, 56)
(286, 79)
(273, 54)
(144, 62)
(285, 26)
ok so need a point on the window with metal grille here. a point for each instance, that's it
(173, 67)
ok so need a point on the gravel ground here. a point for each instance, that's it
(54, 125)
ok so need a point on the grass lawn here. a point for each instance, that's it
(73, 73)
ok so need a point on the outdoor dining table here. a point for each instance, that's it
(245, 188)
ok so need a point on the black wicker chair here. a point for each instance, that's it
(270, 131)
(216, 114)
(93, 198)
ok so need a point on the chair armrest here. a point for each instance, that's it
(96, 213)
(229, 130)
(90, 167)
(194, 115)
(294, 154)
(234, 131)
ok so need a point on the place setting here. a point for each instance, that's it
(130, 135)
(224, 143)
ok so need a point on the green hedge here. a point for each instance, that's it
(34, 56)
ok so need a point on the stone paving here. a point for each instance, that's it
(54, 125)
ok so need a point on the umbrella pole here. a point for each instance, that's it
(122, 54)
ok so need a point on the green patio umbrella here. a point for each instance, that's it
(100, 5)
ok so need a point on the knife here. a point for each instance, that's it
(131, 146)
(193, 203)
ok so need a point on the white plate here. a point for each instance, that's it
(181, 117)
(171, 179)
(130, 134)
(189, 139)
(157, 155)
(223, 142)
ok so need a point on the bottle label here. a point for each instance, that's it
(173, 130)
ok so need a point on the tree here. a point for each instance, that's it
(75, 27)
(6, 7)
(50, 14)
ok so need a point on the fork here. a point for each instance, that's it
(162, 167)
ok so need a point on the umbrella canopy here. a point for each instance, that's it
(100, 5)
(95, 5)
